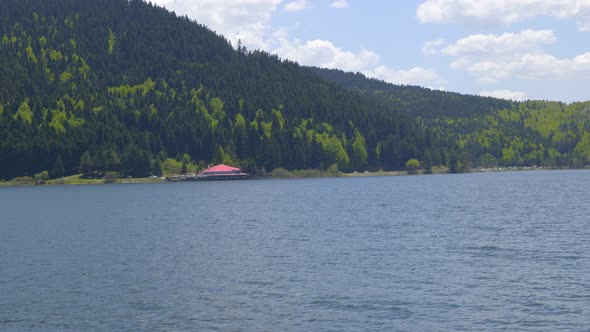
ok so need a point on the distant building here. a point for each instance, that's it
(222, 172)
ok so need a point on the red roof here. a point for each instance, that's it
(221, 168)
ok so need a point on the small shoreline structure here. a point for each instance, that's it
(215, 173)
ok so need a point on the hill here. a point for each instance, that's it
(124, 83)
(487, 132)
(414, 100)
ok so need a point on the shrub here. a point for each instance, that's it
(40, 178)
(412, 166)
(308, 173)
(23, 180)
(110, 177)
(281, 173)
(333, 170)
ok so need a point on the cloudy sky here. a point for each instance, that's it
(516, 49)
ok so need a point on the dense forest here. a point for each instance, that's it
(486, 132)
(121, 86)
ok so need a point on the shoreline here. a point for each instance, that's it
(76, 180)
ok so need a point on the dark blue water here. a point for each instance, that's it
(505, 251)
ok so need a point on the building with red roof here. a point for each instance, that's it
(222, 172)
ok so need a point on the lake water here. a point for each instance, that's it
(501, 251)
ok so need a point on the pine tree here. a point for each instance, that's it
(157, 167)
(86, 163)
(58, 168)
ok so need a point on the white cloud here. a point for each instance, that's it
(432, 47)
(297, 5)
(248, 20)
(492, 58)
(531, 66)
(414, 76)
(503, 11)
(505, 94)
(323, 53)
(492, 46)
(339, 4)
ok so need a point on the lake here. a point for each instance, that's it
(484, 251)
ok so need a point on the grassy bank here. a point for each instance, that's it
(279, 173)
(436, 170)
(77, 179)
(282, 173)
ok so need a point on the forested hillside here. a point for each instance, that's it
(122, 84)
(117, 85)
(414, 100)
(487, 132)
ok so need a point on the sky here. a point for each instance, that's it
(513, 49)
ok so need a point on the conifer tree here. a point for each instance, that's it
(58, 168)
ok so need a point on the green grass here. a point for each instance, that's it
(75, 179)
(282, 173)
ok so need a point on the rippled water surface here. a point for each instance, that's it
(503, 251)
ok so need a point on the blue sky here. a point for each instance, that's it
(515, 49)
